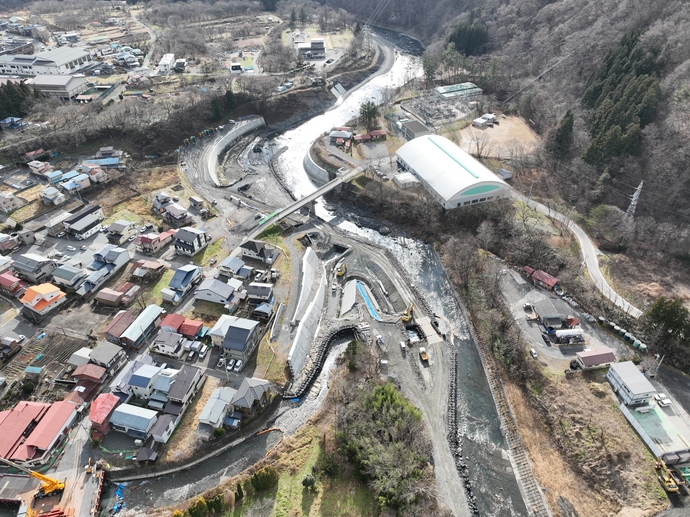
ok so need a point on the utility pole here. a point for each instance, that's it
(630, 212)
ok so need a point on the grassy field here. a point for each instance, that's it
(341, 495)
(215, 250)
(269, 366)
(152, 292)
(207, 312)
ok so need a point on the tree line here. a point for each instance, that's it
(17, 99)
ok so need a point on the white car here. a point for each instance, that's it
(83, 248)
(238, 365)
(533, 352)
(221, 362)
(231, 363)
(71, 248)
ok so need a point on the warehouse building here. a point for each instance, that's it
(449, 174)
(60, 86)
(61, 61)
(630, 383)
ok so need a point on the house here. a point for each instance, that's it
(120, 231)
(9, 202)
(106, 263)
(259, 292)
(135, 421)
(33, 155)
(61, 86)
(51, 430)
(52, 196)
(548, 315)
(120, 385)
(141, 383)
(543, 279)
(341, 136)
(214, 291)
(101, 410)
(90, 372)
(109, 297)
(172, 322)
(62, 61)
(182, 391)
(141, 327)
(9, 242)
(34, 268)
(11, 123)
(120, 323)
(258, 250)
(163, 428)
(108, 355)
(12, 285)
(595, 358)
(177, 216)
(147, 270)
(218, 405)
(378, 134)
(182, 282)
(190, 241)
(80, 357)
(238, 337)
(630, 384)
(230, 266)
(191, 328)
(315, 49)
(169, 343)
(5, 264)
(166, 64)
(263, 311)
(251, 393)
(17, 423)
(412, 129)
(160, 201)
(69, 277)
(152, 243)
(79, 182)
(41, 299)
(85, 222)
(196, 202)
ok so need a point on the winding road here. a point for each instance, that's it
(588, 252)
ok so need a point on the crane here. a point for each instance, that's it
(49, 486)
(408, 314)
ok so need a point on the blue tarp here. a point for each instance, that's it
(105, 161)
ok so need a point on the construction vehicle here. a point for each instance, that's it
(49, 486)
(342, 269)
(423, 355)
(664, 475)
(407, 317)
(677, 476)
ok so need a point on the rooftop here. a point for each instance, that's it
(633, 378)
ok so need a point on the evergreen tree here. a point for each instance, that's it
(470, 38)
(293, 17)
(302, 16)
(230, 100)
(561, 140)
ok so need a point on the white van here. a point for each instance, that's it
(202, 352)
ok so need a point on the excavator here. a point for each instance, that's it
(407, 316)
(342, 269)
(49, 486)
(664, 475)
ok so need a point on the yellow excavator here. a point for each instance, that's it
(407, 316)
(49, 486)
(665, 476)
(342, 269)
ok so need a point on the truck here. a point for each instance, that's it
(423, 355)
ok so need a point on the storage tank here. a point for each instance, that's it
(626, 336)
(636, 343)
(643, 347)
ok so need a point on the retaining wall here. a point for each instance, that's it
(317, 174)
(235, 133)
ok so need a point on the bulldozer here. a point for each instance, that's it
(49, 486)
(407, 316)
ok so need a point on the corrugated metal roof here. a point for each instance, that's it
(143, 322)
(133, 417)
(101, 408)
(633, 378)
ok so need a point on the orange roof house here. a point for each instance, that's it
(43, 298)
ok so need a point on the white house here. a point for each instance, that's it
(217, 407)
(238, 337)
(190, 241)
(133, 420)
(9, 202)
(214, 291)
(630, 384)
(41, 299)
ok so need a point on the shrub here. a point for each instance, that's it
(218, 432)
(265, 478)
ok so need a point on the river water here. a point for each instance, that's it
(484, 448)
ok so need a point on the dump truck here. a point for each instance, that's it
(49, 486)
(423, 355)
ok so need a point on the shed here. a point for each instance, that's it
(595, 358)
(80, 357)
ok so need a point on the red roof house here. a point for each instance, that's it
(89, 372)
(47, 434)
(117, 327)
(544, 280)
(11, 284)
(15, 422)
(172, 322)
(191, 328)
(101, 410)
(379, 134)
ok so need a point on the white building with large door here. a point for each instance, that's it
(449, 174)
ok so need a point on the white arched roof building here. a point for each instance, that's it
(451, 175)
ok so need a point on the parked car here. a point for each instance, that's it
(21, 338)
(71, 248)
(533, 352)
(231, 363)
(83, 248)
(132, 238)
(58, 254)
(191, 355)
(238, 365)
(212, 261)
(61, 235)
(231, 122)
(221, 362)
(546, 338)
(203, 351)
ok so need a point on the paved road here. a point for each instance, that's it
(152, 46)
(589, 254)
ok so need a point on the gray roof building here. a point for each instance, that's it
(250, 392)
(107, 354)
